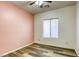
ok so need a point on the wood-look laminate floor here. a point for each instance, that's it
(41, 50)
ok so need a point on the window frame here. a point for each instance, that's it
(50, 29)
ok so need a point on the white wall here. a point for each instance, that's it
(77, 28)
(66, 27)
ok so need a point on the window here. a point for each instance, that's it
(50, 28)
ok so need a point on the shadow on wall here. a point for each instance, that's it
(16, 27)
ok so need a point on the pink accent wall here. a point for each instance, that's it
(16, 27)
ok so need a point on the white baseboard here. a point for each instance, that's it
(16, 49)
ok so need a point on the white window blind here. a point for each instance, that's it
(50, 28)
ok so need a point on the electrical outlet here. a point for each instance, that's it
(66, 43)
(39, 39)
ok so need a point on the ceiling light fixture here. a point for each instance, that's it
(39, 3)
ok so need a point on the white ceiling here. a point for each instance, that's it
(34, 9)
